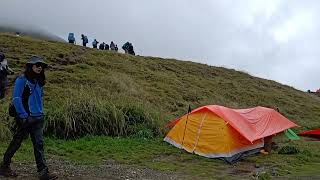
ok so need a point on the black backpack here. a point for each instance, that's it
(3, 72)
(25, 97)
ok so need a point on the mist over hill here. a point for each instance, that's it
(30, 31)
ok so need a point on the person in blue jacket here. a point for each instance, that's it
(28, 102)
(95, 44)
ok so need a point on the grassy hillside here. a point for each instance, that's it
(94, 92)
(87, 87)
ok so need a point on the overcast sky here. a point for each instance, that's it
(272, 39)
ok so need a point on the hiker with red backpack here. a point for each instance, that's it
(27, 108)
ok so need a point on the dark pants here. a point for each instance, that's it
(3, 86)
(84, 44)
(35, 130)
(2, 92)
(70, 41)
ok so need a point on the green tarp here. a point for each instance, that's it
(291, 135)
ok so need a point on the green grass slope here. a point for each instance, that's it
(106, 93)
(93, 92)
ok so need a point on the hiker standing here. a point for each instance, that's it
(95, 44)
(106, 47)
(101, 46)
(112, 46)
(116, 48)
(28, 102)
(71, 38)
(84, 40)
(4, 72)
(130, 50)
(125, 47)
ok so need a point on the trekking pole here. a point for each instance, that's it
(185, 126)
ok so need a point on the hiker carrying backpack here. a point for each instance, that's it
(28, 106)
(95, 43)
(71, 38)
(84, 40)
(112, 46)
(125, 47)
(130, 50)
(101, 46)
(4, 72)
(106, 47)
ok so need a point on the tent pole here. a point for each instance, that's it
(185, 126)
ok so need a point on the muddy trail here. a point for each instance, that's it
(107, 170)
(112, 170)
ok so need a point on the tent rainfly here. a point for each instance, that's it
(219, 132)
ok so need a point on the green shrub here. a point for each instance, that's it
(87, 114)
(5, 122)
(288, 150)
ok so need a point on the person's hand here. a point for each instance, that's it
(22, 121)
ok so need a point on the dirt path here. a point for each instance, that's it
(115, 171)
(108, 170)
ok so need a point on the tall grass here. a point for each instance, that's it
(134, 95)
(5, 122)
(84, 113)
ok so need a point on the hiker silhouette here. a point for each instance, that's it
(116, 48)
(71, 38)
(101, 46)
(106, 47)
(95, 44)
(128, 48)
(112, 46)
(84, 40)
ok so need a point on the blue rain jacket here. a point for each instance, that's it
(35, 101)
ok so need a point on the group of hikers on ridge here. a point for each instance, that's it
(127, 47)
(27, 109)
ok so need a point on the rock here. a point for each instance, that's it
(274, 172)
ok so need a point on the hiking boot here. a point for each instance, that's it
(6, 171)
(262, 151)
(45, 175)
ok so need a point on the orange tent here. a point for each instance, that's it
(219, 132)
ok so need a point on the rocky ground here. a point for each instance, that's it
(107, 170)
(112, 170)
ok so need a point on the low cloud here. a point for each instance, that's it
(272, 39)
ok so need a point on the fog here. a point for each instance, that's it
(272, 39)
